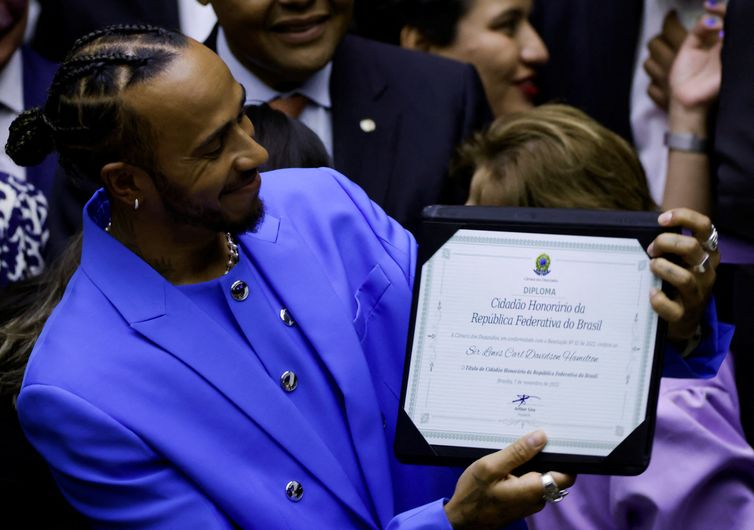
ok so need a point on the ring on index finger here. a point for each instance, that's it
(711, 243)
(702, 266)
(551, 491)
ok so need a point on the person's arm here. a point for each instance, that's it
(487, 494)
(106, 471)
(694, 84)
(702, 469)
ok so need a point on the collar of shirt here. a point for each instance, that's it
(11, 105)
(11, 84)
(316, 88)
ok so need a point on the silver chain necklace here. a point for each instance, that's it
(230, 243)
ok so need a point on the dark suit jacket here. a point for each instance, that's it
(734, 138)
(734, 150)
(592, 47)
(60, 23)
(423, 106)
(37, 76)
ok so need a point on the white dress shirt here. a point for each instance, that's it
(196, 20)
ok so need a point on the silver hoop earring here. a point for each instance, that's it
(136, 204)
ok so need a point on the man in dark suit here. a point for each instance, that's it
(390, 118)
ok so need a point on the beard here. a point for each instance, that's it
(184, 210)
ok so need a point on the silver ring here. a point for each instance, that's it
(551, 491)
(712, 242)
(701, 268)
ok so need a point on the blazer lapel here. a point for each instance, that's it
(165, 316)
(288, 264)
(365, 124)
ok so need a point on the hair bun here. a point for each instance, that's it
(30, 138)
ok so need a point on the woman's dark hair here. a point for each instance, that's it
(85, 118)
(25, 306)
(288, 141)
(436, 20)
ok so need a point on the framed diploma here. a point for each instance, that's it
(533, 318)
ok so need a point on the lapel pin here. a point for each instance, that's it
(367, 125)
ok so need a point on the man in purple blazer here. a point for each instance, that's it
(225, 357)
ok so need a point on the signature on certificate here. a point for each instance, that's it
(521, 399)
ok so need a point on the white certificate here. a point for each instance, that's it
(522, 331)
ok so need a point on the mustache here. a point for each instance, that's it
(245, 178)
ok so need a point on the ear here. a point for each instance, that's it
(413, 39)
(125, 182)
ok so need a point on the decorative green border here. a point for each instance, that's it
(508, 242)
(648, 335)
(479, 437)
(532, 243)
(426, 275)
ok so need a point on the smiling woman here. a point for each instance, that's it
(493, 35)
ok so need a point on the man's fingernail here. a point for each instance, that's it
(536, 439)
(712, 2)
(665, 218)
(712, 21)
(653, 291)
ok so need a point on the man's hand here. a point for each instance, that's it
(684, 311)
(488, 496)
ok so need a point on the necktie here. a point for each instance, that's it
(292, 105)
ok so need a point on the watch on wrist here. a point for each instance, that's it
(688, 142)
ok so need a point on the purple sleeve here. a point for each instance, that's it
(705, 360)
(701, 474)
(432, 517)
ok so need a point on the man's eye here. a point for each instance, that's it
(509, 26)
(215, 152)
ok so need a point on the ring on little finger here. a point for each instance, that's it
(712, 242)
(551, 491)
(703, 265)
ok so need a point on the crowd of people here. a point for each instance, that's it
(208, 245)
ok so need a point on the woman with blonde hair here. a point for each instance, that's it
(555, 156)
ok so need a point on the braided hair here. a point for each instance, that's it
(85, 118)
